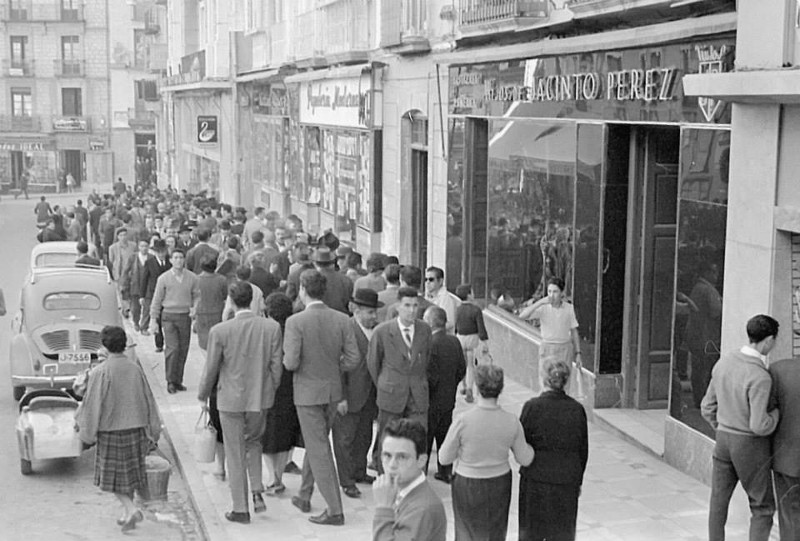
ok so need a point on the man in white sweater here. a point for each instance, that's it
(736, 405)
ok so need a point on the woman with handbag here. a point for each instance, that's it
(119, 414)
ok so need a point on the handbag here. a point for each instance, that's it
(205, 439)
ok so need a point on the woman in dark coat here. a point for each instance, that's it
(120, 415)
(282, 433)
(555, 426)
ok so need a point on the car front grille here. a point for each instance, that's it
(90, 340)
(56, 340)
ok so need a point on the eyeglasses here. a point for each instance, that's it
(429, 279)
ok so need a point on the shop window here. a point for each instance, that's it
(702, 209)
(455, 204)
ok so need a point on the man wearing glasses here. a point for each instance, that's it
(437, 294)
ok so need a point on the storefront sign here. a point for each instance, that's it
(271, 100)
(27, 146)
(69, 123)
(207, 132)
(630, 84)
(337, 102)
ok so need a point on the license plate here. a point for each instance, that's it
(72, 357)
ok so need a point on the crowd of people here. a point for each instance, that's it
(304, 339)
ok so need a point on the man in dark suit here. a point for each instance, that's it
(260, 276)
(410, 276)
(447, 368)
(244, 364)
(319, 345)
(133, 285)
(200, 251)
(340, 287)
(786, 445)
(153, 268)
(399, 353)
(352, 428)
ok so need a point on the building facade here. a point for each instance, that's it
(59, 98)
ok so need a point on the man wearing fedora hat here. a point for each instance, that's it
(339, 287)
(352, 427)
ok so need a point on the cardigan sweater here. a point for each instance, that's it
(420, 516)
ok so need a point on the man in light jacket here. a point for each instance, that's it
(736, 404)
(244, 362)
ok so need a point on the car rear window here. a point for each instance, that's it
(55, 260)
(72, 300)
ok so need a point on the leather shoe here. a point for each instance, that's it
(327, 520)
(443, 477)
(180, 387)
(366, 480)
(301, 504)
(235, 516)
(171, 388)
(258, 503)
(351, 491)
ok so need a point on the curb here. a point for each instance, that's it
(205, 510)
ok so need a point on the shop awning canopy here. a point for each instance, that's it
(257, 75)
(341, 72)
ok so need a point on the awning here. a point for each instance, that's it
(342, 72)
(258, 75)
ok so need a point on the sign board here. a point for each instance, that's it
(27, 146)
(207, 130)
(337, 102)
(69, 123)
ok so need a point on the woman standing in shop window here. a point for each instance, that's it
(558, 324)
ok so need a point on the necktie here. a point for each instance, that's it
(407, 337)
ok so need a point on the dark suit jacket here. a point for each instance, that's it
(786, 438)
(396, 376)
(133, 276)
(447, 368)
(265, 281)
(151, 273)
(319, 344)
(555, 426)
(196, 255)
(243, 363)
(357, 386)
(338, 291)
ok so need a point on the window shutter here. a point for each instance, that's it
(391, 17)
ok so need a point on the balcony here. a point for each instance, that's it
(482, 17)
(347, 32)
(636, 8)
(13, 123)
(404, 27)
(141, 119)
(69, 68)
(18, 68)
(72, 123)
(49, 12)
(308, 46)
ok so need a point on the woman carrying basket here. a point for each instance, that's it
(120, 415)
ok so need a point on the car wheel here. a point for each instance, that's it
(25, 466)
(19, 392)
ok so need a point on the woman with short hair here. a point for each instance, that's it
(555, 426)
(120, 415)
(478, 442)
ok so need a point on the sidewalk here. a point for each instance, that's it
(628, 495)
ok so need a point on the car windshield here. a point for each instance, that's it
(55, 260)
(72, 300)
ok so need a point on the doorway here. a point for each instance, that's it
(18, 166)
(640, 225)
(72, 161)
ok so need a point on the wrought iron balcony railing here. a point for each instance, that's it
(472, 12)
(65, 67)
(20, 123)
(18, 68)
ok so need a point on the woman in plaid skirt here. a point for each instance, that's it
(119, 414)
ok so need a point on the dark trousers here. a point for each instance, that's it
(438, 424)
(136, 311)
(384, 417)
(177, 334)
(144, 318)
(352, 436)
(787, 490)
(745, 459)
(318, 466)
(480, 507)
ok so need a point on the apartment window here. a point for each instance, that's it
(18, 46)
(18, 11)
(275, 11)
(147, 90)
(72, 102)
(21, 104)
(69, 10)
(69, 47)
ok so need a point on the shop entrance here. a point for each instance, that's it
(18, 166)
(644, 178)
(72, 162)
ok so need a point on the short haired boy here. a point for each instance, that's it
(406, 507)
